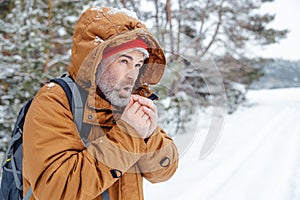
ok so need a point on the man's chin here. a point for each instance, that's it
(120, 101)
(119, 98)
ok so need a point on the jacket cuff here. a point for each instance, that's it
(161, 153)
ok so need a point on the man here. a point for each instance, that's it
(113, 56)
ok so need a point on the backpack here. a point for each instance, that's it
(11, 187)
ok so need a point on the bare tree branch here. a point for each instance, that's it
(203, 17)
(49, 30)
(169, 21)
(220, 12)
(124, 3)
(179, 28)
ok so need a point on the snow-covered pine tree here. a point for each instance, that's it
(35, 42)
(219, 29)
(20, 60)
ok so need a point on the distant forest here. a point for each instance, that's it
(205, 42)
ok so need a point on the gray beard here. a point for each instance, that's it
(110, 91)
(113, 97)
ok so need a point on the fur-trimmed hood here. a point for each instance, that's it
(101, 27)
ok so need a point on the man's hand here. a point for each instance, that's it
(150, 109)
(141, 114)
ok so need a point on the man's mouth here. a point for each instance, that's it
(125, 92)
(128, 88)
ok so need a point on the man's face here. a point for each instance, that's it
(118, 78)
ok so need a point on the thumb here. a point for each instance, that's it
(131, 101)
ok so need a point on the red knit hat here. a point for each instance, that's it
(137, 43)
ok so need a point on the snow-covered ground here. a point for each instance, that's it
(257, 157)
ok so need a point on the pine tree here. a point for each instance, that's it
(36, 38)
(20, 60)
(35, 42)
(210, 45)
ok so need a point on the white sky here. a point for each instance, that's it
(287, 16)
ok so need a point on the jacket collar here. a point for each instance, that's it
(99, 111)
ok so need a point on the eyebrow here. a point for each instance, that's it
(130, 57)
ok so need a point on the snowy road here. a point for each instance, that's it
(257, 158)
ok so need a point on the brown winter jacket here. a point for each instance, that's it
(56, 163)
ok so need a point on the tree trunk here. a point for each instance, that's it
(169, 21)
(46, 67)
(159, 32)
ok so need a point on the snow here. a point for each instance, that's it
(71, 19)
(257, 157)
(147, 6)
(97, 8)
(129, 13)
(114, 11)
(62, 31)
(98, 40)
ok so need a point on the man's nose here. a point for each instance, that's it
(133, 73)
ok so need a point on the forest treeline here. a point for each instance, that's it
(206, 43)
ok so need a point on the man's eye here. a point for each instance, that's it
(124, 61)
(138, 65)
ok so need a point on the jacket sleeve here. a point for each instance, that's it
(56, 163)
(160, 161)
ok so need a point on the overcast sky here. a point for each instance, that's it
(287, 16)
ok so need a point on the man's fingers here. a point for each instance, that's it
(135, 107)
(144, 101)
(145, 117)
(135, 97)
(140, 112)
(129, 104)
(149, 112)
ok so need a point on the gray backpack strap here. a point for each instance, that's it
(77, 109)
(105, 195)
(28, 194)
(76, 104)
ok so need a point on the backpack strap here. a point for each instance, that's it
(76, 105)
(9, 157)
(17, 130)
(105, 195)
(74, 98)
(75, 101)
(28, 194)
(13, 147)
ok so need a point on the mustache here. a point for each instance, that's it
(126, 83)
